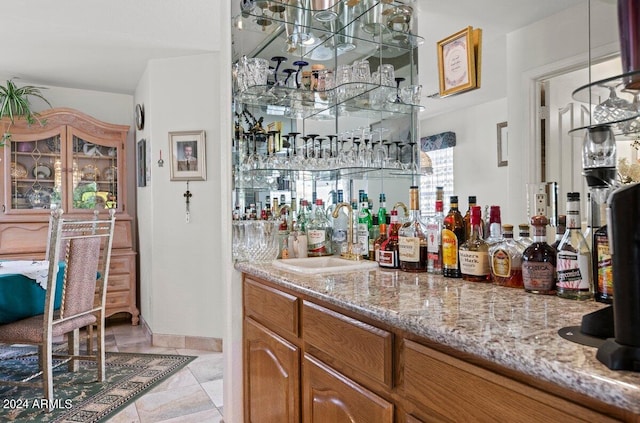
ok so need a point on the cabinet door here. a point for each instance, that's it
(91, 177)
(33, 180)
(271, 376)
(328, 396)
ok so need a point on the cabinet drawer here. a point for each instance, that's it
(118, 283)
(120, 264)
(348, 342)
(458, 391)
(117, 299)
(275, 309)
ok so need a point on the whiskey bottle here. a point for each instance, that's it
(467, 217)
(560, 230)
(523, 234)
(434, 240)
(604, 286)
(574, 258)
(539, 261)
(388, 254)
(495, 226)
(452, 238)
(505, 259)
(412, 238)
(474, 252)
(377, 243)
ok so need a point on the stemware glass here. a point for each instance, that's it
(300, 64)
(398, 99)
(613, 109)
(278, 60)
(398, 163)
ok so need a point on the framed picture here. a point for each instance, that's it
(459, 60)
(503, 144)
(142, 163)
(187, 150)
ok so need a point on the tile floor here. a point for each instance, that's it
(194, 394)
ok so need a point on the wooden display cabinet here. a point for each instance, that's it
(76, 162)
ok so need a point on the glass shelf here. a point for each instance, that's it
(273, 19)
(304, 104)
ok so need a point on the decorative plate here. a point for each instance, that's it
(90, 173)
(41, 171)
(111, 174)
(39, 198)
(18, 171)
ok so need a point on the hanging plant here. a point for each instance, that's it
(14, 103)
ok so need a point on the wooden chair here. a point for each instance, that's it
(84, 246)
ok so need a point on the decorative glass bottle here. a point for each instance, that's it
(505, 259)
(452, 238)
(539, 261)
(319, 233)
(574, 270)
(388, 254)
(474, 252)
(495, 226)
(412, 238)
(434, 240)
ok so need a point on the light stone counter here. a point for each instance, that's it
(504, 325)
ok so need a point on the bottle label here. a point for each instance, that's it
(501, 263)
(605, 269)
(538, 276)
(449, 249)
(387, 258)
(316, 239)
(409, 249)
(433, 238)
(573, 271)
(475, 263)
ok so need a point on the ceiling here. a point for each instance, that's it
(105, 45)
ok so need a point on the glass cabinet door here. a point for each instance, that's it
(33, 171)
(92, 173)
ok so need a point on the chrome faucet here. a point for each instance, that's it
(349, 255)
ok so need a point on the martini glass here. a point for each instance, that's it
(300, 64)
(278, 60)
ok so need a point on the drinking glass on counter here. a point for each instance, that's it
(255, 240)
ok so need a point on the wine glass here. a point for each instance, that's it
(398, 99)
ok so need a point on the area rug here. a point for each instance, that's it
(78, 397)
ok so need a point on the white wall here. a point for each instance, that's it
(180, 262)
(476, 171)
(551, 46)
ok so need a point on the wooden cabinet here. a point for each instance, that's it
(313, 362)
(272, 379)
(329, 396)
(75, 162)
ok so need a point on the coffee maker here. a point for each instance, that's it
(623, 219)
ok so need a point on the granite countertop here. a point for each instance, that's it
(504, 325)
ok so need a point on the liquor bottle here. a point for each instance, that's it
(467, 217)
(452, 238)
(303, 215)
(388, 254)
(374, 233)
(523, 234)
(364, 225)
(505, 260)
(284, 230)
(340, 228)
(377, 243)
(275, 209)
(474, 252)
(319, 233)
(539, 261)
(434, 240)
(560, 230)
(574, 270)
(412, 237)
(382, 210)
(604, 286)
(495, 226)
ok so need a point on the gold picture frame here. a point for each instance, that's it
(187, 149)
(459, 61)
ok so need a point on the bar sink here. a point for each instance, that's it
(329, 264)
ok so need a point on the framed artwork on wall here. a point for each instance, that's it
(187, 150)
(142, 163)
(459, 61)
